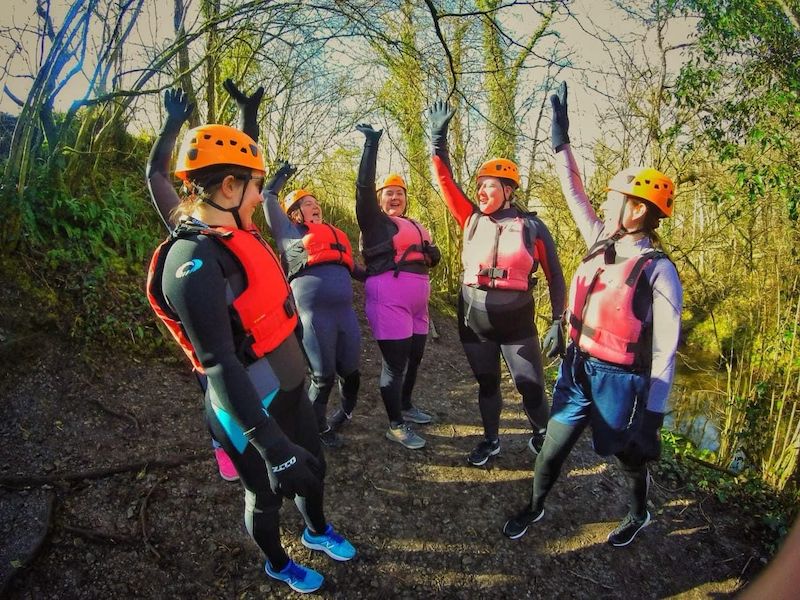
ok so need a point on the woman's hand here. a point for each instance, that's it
(280, 177)
(248, 107)
(178, 107)
(372, 134)
(439, 116)
(559, 129)
(245, 102)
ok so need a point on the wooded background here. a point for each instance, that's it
(705, 91)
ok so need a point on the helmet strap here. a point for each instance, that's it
(234, 211)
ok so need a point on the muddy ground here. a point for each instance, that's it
(108, 471)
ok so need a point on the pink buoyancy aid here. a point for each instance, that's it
(496, 255)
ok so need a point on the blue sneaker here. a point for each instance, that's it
(330, 542)
(299, 578)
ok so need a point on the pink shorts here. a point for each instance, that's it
(397, 307)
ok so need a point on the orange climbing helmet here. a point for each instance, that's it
(500, 167)
(646, 184)
(292, 199)
(217, 145)
(392, 179)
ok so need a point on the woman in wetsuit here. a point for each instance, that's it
(220, 291)
(503, 247)
(624, 318)
(398, 252)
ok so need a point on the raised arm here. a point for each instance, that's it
(460, 207)
(248, 107)
(283, 230)
(568, 174)
(159, 182)
(368, 211)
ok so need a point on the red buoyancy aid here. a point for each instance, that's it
(323, 243)
(496, 255)
(265, 308)
(601, 318)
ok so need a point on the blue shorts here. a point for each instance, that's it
(608, 397)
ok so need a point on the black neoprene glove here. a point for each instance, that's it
(178, 107)
(291, 468)
(647, 440)
(279, 178)
(432, 254)
(248, 107)
(439, 117)
(559, 128)
(553, 343)
(371, 134)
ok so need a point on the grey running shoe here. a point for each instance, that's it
(338, 419)
(536, 442)
(330, 439)
(481, 453)
(517, 526)
(415, 415)
(403, 434)
(627, 530)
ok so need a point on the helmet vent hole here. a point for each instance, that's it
(254, 150)
(655, 186)
(219, 143)
(206, 136)
(669, 201)
(192, 153)
(243, 150)
(647, 181)
(233, 142)
(194, 140)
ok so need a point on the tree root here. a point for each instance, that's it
(143, 522)
(99, 473)
(100, 537)
(115, 413)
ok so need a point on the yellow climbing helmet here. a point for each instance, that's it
(646, 184)
(500, 167)
(209, 145)
(392, 179)
(292, 199)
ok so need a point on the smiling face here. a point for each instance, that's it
(393, 200)
(492, 194)
(310, 209)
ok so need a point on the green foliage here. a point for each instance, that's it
(91, 242)
(746, 493)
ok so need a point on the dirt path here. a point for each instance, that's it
(426, 525)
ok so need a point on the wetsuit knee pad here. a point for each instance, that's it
(631, 461)
(320, 388)
(530, 389)
(488, 383)
(350, 384)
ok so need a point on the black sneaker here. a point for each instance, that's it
(517, 526)
(536, 442)
(481, 453)
(330, 439)
(338, 419)
(627, 530)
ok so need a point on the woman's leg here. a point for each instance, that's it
(394, 355)
(524, 361)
